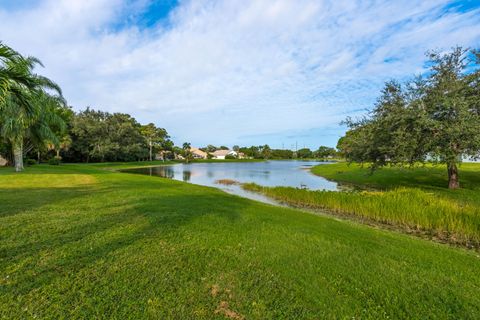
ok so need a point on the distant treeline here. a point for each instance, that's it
(265, 152)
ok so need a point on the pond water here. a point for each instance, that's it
(268, 173)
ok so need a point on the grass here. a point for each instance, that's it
(79, 241)
(427, 177)
(414, 200)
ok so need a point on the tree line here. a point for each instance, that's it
(36, 123)
(434, 117)
(265, 152)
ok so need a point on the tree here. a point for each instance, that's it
(101, 136)
(210, 148)
(436, 118)
(265, 152)
(325, 152)
(186, 151)
(304, 153)
(26, 101)
(155, 137)
(236, 148)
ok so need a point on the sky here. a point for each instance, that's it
(245, 72)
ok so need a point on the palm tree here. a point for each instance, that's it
(7, 75)
(26, 108)
(186, 151)
(63, 143)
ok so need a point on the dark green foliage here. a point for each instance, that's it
(282, 154)
(157, 139)
(304, 153)
(55, 161)
(265, 152)
(230, 157)
(435, 118)
(102, 136)
(186, 152)
(31, 162)
(325, 152)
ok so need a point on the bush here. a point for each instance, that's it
(55, 161)
(31, 162)
(230, 156)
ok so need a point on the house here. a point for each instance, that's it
(164, 155)
(198, 154)
(3, 161)
(221, 154)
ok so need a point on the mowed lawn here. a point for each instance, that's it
(80, 241)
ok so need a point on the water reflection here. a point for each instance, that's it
(187, 175)
(269, 173)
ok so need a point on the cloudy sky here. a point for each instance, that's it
(235, 72)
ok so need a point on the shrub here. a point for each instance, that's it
(230, 156)
(31, 162)
(55, 161)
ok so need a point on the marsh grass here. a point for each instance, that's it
(413, 199)
(410, 209)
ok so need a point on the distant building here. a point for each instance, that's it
(163, 155)
(221, 154)
(3, 161)
(198, 154)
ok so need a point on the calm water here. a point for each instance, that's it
(269, 173)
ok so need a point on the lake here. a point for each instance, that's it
(266, 173)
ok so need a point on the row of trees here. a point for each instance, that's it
(35, 122)
(431, 118)
(102, 136)
(265, 152)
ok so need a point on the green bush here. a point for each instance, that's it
(55, 161)
(31, 162)
(230, 156)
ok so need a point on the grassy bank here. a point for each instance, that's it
(79, 241)
(426, 177)
(414, 200)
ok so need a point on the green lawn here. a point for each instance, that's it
(79, 241)
(428, 176)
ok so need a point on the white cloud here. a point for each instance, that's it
(222, 70)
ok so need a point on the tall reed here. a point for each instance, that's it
(408, 208)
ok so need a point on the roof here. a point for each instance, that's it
(220, 153)
(198, 152)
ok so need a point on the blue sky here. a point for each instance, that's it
(281, 72)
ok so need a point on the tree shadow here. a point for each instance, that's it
(34, 198)
(71, 249)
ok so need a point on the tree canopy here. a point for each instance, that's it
(29, 104)
(434, 117)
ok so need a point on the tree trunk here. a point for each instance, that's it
(453, 182)
(58, 153)
(18, 155)
(150, 142)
